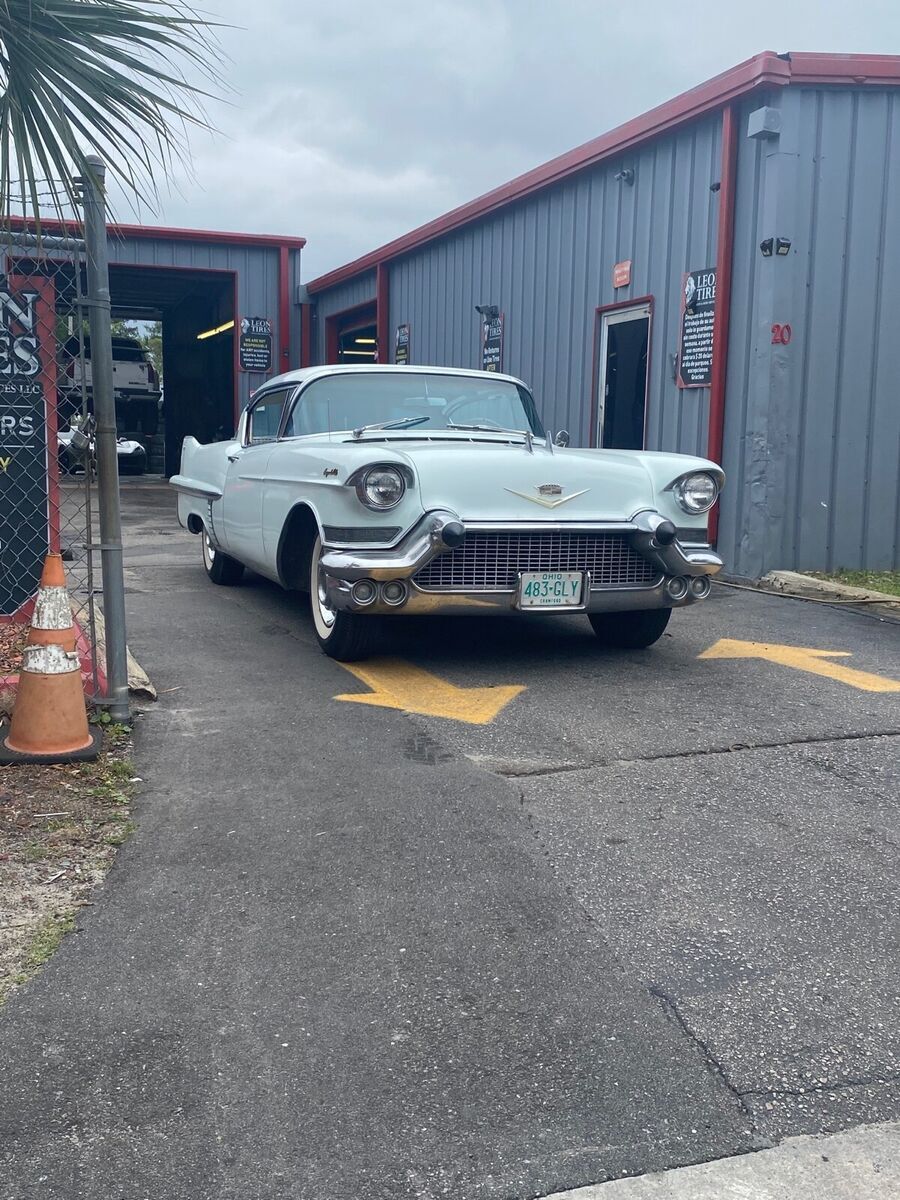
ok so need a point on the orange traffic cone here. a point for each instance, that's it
(49, 721)
(51, 621)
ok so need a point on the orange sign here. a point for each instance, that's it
(622, 274)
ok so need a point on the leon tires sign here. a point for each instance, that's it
(29, 492)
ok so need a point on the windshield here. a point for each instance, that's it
(422, 403)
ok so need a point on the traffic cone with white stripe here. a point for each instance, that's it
(49, 721)
(51, 621)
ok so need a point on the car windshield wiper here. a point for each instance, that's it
(490, 427)
(401, 423)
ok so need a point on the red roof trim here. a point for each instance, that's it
(766, 69)
(166, 234)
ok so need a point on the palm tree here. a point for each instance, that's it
(124, 79)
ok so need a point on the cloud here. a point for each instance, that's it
(352, 122)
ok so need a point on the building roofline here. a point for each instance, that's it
(766, 69)
(166, 233)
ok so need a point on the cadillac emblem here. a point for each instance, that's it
(550, 489)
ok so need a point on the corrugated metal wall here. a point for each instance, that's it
(812, 428)
(359, 290)
(257, 277)
(547, 262)
(812, 431)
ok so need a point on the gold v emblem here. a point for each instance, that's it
(543, 499)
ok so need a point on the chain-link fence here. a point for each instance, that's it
(54, 404)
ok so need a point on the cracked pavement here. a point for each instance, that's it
(646, 918)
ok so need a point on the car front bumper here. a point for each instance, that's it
(680, 578)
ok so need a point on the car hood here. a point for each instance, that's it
(502, 481)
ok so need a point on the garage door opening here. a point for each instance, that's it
(195, 311)
(622, 379)
(351, 336)
(358, 345)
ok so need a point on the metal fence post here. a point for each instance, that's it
(99, 320)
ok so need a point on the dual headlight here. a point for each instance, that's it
(381, 486)
(697, 492)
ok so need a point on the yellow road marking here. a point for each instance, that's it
(816, 662)
(398, 684)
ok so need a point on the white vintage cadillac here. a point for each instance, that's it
(382, 490)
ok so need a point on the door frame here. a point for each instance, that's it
(600, 314)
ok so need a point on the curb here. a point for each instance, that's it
(795, 583)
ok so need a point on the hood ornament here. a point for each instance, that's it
(549, 495)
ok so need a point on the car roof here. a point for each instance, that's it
(305, 374)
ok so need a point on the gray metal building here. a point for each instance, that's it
(720, 276)
(204, 287)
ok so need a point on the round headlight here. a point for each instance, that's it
(383, 487)
(696, 493)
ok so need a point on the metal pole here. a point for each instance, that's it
(99, 321)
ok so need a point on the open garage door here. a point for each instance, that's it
(197, 312)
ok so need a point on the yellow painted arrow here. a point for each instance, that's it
(398, 684)
(816, 662)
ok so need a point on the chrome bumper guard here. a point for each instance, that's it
(650, 534)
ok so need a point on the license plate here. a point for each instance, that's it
(550, 589)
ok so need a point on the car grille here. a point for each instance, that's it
(490, 562)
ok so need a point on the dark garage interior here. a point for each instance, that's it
(197, 312)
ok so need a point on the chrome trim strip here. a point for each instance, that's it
(195, 487)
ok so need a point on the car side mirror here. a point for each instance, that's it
(562, 438)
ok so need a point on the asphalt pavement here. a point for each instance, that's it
(645, 917)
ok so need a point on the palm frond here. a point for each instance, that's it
(125, 79)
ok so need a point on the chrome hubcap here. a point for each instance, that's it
(326, 612)
(208, 550)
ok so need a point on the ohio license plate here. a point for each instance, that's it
(550, 589)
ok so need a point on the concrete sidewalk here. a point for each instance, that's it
(862, 1164)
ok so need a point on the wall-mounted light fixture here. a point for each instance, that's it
(489, 311)
(626, 175)
(779, 245)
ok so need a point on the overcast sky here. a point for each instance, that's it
(353, 121)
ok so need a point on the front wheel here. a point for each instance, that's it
(220, 567)
(347, 637)
(630, 630)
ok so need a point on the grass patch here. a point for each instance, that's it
(46, 940)
(876, 581)
(60, 829)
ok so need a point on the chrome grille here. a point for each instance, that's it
(490, 562)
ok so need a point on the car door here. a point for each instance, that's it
(245, 478)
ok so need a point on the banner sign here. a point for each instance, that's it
(401, 345)
(29, 480)
(698, 314)
(255, 345)
(492, 344)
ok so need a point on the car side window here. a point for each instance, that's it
(265, 418)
